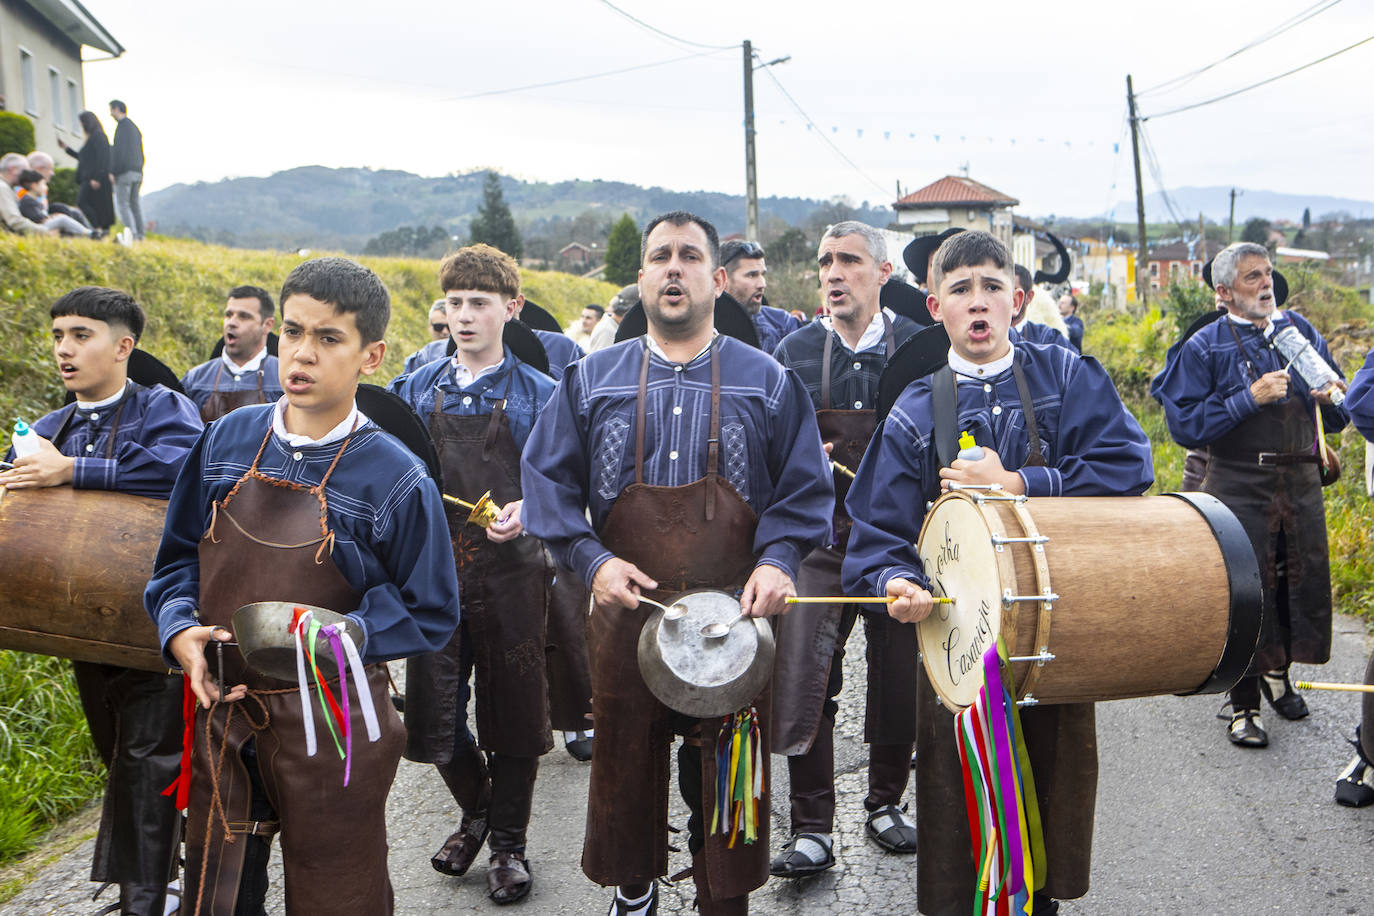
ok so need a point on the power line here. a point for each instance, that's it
(578, 79)
(818, 132)
(1264, 82)
(1296, 20)
(657, 31)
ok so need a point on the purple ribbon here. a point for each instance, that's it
(1006, 769)
(336, 644)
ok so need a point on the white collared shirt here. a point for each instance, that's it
(1268, 328)
(655, 349)
(253, 365)
(463, 376)
(295, 441)
(95, 405)
(965, 368)
(872, 335)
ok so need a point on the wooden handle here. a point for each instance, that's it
(846, 600)
(1319, 685)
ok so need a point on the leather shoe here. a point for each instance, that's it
(892, 829)
(579, 745)
(1278, 690)
(460, 850)
(508, 879)
(805, 854)
(1355, 787)
(1246, 730)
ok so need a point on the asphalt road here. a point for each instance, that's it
(1186, 824)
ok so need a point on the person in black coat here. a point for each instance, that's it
(94, 195)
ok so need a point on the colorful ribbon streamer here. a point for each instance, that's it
(739, 777)
(306, 630)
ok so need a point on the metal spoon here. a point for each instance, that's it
(718, 630)
(670, 612)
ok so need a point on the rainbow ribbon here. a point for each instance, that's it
(739, 777)
(306, 630)
(999, 794)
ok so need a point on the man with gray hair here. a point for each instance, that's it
(603, 335)
(42, 163)
(10, 167)
(1230, 391)
(839, 359)
(745, 280)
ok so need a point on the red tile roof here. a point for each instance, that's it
(953, 190)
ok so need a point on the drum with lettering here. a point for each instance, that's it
(1097, 598)
(73, 564)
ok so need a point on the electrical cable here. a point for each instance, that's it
(1236, 92)
(578, 79)
(644, 25)
(1292, 22)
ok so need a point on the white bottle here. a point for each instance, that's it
(969, 449)
(25, 440)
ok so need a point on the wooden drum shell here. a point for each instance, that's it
(1156, 595)
(73, 566)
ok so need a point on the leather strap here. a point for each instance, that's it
(640, 411)
(944, 404)
(889, 346)
(713, 444)
(1036, 459)
(255, 828)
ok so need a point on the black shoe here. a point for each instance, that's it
(805, 854)
(579, 746)
(509, 878)
(1246, 730)
(1042, 905)
(891, 829)
(621, 908)
(1278, 690)
(1355, 786)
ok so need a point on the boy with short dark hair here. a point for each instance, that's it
(480, 407)
(1050, 424)
(307, 501)
(119, 436)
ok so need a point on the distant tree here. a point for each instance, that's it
(622, 252)
(62, 187)
(493, 223)
(414, 241)
(792, 247)
(1256, 230)
(1300, 240)
(1307, 217)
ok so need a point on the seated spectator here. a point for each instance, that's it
(10, 215)
(33, 204)
(42, 163)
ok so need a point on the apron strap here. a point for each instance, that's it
(640, 409)
(498, 415)
(219, 370)
(1244, 354)
(1036, 459)
(889, 339)
(114, 426)
(944, 404)
(713, 444)
(825, 367)
(262, 395)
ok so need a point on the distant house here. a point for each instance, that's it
(1177, 261)
(40, 65)
(956, 201)
(576, 256)
(1285, 255)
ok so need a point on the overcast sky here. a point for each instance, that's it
(1030, 95)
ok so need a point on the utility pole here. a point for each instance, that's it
(1142, 280)
(751, 181)
(1231, 223)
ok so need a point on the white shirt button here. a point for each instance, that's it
(296, 456)
(467, 402)
(94, 417)
(90, 447)
(858, 405)
(997, 411)
(677, 410)
(677, 368)
(987, 387)
(858, 365)
(672, 456)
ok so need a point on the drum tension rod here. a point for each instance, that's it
(1028, 700)
(1008, 599)
(1033, 539)
(976, 486)
(980, 499)
(1039, 659)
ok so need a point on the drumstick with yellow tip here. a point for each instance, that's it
(1319, 685)
(846, 600)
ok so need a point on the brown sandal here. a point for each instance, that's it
(460, 850)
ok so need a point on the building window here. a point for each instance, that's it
(1197, 268)
(1173, 270)
(27, 78)
(74, 105)
(1154, 268)
(55, 88)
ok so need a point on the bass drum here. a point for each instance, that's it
(1108, 597)
(74, 564)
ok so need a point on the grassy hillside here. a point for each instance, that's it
(47, 765)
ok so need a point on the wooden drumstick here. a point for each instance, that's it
(1319, 685)
(845, 600)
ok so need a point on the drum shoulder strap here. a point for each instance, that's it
(944, 405)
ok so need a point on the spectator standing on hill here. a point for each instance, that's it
(126, 169)
(745, 281)
(10, 215)
(94, 195)
(603, 335)
(42, 163)
(33, 204)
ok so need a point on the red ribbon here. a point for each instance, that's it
(182, 784)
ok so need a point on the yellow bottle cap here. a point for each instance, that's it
(966, 441)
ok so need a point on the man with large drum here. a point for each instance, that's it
(1050, 424)
(677, 460)
(1230, 391)
(840, 358)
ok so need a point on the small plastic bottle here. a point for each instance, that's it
(969, 449)
(25, 440)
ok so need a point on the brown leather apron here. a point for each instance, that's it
(269, 540)
(699, 535)
(809, 633)
(221, 402)
(1280, 497)
(132, 716)
(505, 592)
(1061, 741)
